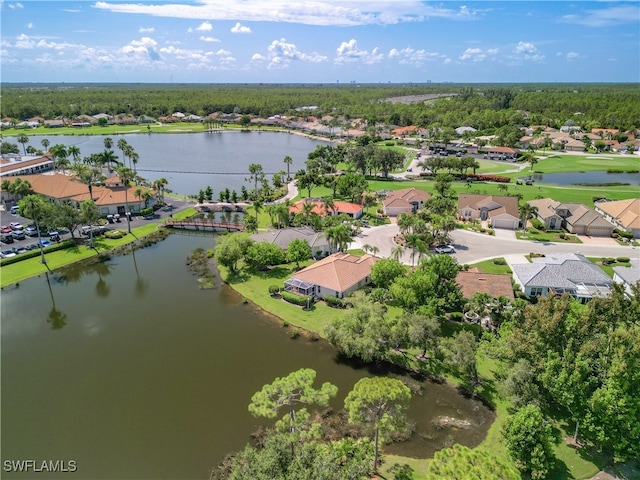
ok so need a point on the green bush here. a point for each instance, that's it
(537, 223)
(301, 300)
(622, 259)
(624, 234)
(273, 289)
(334, 302)
(499, 261)
(146, 211)
(456, 316)
(532, 230)
(608, 260)
(115, 233)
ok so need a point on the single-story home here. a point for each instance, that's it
(12, 165)
(496, 285)
(109, 198)
(407, 200)
(501, 211)
(337, 275)
(322, 209)
(506, 153)
(624, 214)
(627, 276)
(574, 217)
(284, 236)
(560, 273)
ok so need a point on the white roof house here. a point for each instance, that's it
(566, 272)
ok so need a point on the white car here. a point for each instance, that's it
(445, 249)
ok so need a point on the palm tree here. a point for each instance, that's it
(74, 151)
(288, 160)
(527, 212)
(134, 157)
(307, 209)
(123, 145)
(257, 207)
(397, 252)
(59, 152)
(126, 174)
(33, 206)
(338, 237)
(45, 144)
(85, 174)
(329, 206)
(368, 200)
(90, 214)
(159, 186)
(108, 143)
(108, 158)
(23, 139)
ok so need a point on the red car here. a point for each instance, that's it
(5, 229)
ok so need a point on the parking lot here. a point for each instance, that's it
(23, 237)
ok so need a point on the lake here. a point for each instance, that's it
(194, 161)
(129, 369)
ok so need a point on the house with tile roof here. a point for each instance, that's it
(573, 217)
(337, 275)
(407, 200)
(624, 214)
(499, 210)
(12, 165)
(110, 197)
(559, 273)
(320, 208)
(496, 285)
(284, 236)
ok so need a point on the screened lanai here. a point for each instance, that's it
(299, 287)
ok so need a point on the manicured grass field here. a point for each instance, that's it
(580, 163)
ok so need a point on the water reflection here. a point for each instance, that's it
(56, 318)
(142, 284)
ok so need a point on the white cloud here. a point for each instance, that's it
(527, 51)
(145, 47)
(410, 56)
(238, 28)
(146, 30)
(572, 55)
(223, 52)
(473, 54)
(209, 39)
(204, 27)
(280, 54)
(30, 25)
(318, 12)
(13, 6)
(605, 17)
(349, 52)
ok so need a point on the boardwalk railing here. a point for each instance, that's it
(205, 225)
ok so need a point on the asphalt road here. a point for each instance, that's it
(472, 247)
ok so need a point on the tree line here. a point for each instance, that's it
(484, 107)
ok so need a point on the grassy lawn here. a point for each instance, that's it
(547, 237)
(489, 267)
(577, 163)
(608, 269)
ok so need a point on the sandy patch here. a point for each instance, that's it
(599, 158)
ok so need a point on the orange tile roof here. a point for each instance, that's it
(493, 284)
(626, 212)
(338, 272)
(318, 207)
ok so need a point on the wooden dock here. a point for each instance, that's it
(204, 225)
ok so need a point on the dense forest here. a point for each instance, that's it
(483, 106)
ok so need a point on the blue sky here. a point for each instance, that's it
(319, 41)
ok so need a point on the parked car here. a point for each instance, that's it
(18, 235)
(14, 210)
(20, 250)
(6, 238)
(16, 226)
(44, 243)
(445, 249)
(31, 231)
(7, 254)
(5, 229)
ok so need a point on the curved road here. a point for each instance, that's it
(472, 247)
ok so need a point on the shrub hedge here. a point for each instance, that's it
(301, 300)
(334, 302)
(36, 253)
